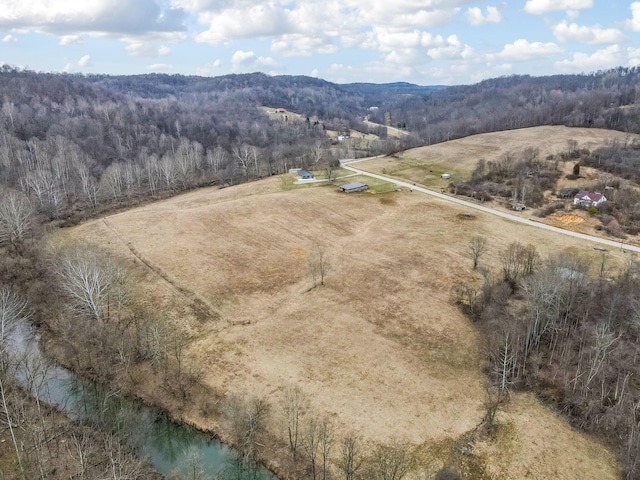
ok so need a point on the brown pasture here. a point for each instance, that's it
(459, 157)
(380, 349)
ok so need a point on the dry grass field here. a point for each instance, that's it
(380, 349)
(424, 165)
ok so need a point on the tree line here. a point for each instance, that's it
(568, 328)
(603, 99)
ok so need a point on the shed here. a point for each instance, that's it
(569, 192)
(354, 187)
(445, 176)
(305, 175)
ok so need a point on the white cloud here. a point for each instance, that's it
(634, 23)
(475, 16)
(208, 68)
(159, 67)
(453, 49)
(540, 7)
(257, 21)
(71, 40)
(9, 39)
(85, 61)
(112, 17)
(574, 33)
(139, 49)
(298, 45)
(242, 61)
(68, 67)
(304, 27)
(633, 56)
(521, 50)
(600, 60)
(416, 47)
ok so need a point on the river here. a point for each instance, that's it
(169, 447)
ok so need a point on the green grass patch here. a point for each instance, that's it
(375, 185)
(288, 182)
(423, 173)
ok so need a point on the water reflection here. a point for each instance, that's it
(170, 447)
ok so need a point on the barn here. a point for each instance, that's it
(354, 187)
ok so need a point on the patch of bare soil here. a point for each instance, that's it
(577, 221)
(380, 349)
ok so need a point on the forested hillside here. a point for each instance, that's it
(603, 99)
(71, 142)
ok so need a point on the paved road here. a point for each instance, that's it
(508, 216)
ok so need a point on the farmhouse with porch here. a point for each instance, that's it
(589, 199)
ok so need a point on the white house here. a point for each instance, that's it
(589, 199)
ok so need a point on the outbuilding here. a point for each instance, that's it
(305, 175)
(354, 187)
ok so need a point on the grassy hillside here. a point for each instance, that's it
(379, 349)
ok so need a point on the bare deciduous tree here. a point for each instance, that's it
(519, 260)
(311, 444)
(391, 461)
(477, 247)
(319, 266)
(331, 169)
(326, 444)
(294, 405)
(13, 310)
(15, 217)
(94, 284)
(351, 457)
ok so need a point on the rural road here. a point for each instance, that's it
(602, 241)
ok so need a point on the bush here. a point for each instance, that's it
(593, 211)
(549, 209)
(448, 473)
(606, 218)
(614, 229)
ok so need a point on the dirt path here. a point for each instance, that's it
(505, 215)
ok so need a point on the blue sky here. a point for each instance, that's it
(427, 42)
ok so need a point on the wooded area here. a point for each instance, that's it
(568, 330)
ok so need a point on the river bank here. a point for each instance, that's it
(162, 445)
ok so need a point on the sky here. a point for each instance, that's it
(426, 42)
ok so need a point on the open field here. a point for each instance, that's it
(424, 165)
(380, 348)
